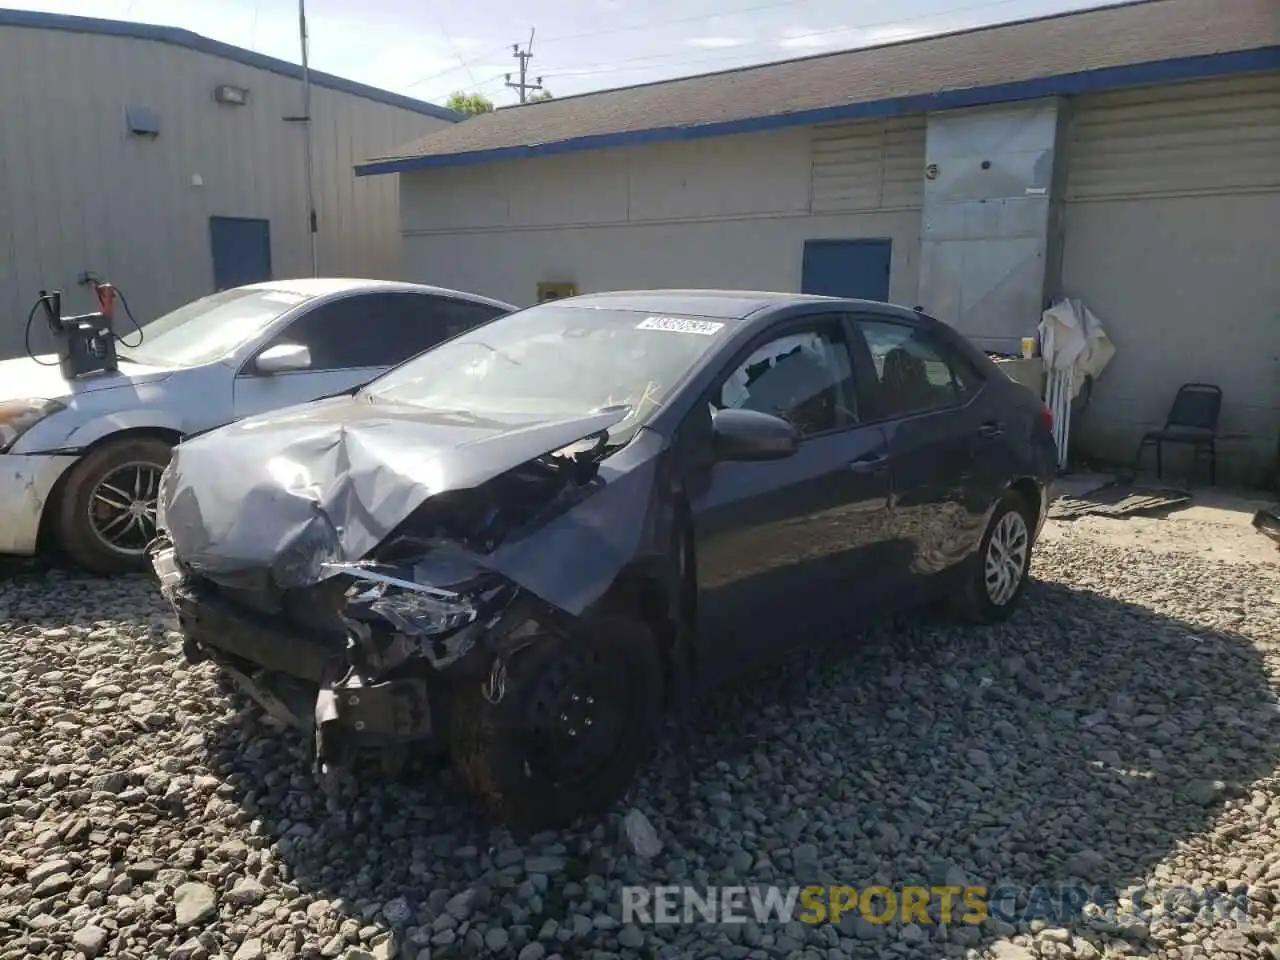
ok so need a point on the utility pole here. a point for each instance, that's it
(305, 119)
(524, 56)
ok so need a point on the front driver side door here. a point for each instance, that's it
(781, 546)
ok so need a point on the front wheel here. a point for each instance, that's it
(998, 576)
(575, 717)
(106, 515)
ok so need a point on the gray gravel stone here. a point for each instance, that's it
(90, 940)
(194, 903)
(1121, 727)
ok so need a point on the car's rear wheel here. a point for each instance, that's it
(573, 720)
(998, 576)
(106, 514)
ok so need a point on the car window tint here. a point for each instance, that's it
(917, 372)
(452, 317)
(380, 329)
(804, 377)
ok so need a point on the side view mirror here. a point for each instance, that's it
(744, 435)
(283, 358)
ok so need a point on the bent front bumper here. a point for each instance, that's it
(302, 681)
(25, 485)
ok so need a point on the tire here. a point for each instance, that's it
(979, 603)
(506, 752)
(86, 506)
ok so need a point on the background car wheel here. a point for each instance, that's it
(107, 512)
(999, 572)
(579, 715)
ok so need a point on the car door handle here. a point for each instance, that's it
(990, 429)
(869, 462)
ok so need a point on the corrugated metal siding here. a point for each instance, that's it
(1202, 137)
(868, 165)
(77, 193)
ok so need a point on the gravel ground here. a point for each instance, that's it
(1122, 728)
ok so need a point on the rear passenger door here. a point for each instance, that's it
(928, 399)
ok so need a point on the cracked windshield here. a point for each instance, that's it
(556, 361)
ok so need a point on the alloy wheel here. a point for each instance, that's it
(122, 507)
(1006, 560)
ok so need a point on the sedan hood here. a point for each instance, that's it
(326, 482)
(25, 378)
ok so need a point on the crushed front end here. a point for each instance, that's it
(363, 654)
(367, 657)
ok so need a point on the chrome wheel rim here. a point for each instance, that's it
(1006, 561)
(122, 507)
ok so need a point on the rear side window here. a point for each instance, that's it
(917, 371)
(381, 329)
(452, 317)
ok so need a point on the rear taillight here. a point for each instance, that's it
(1047, 416)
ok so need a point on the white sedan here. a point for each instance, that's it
(81, 460)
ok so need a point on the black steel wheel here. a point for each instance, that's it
(577, 715)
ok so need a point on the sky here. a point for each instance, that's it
(427, 50)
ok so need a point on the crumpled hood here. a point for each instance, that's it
(328, 481)
(23, 378)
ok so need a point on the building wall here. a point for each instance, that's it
(1172, 237)
(1171, 222)
(78, 193)
(723, 212)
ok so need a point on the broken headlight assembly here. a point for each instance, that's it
(411, 608)
(393, 619)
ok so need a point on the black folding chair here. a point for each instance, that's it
(1192, 420)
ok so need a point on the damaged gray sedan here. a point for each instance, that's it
(525, 546)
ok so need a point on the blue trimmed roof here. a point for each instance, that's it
(193, 41)
(1135, 43)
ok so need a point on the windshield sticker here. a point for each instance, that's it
(705, 328)
(281, 296)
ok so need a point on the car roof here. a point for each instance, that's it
(721, 304)
(327, 286)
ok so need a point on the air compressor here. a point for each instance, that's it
(85, 344)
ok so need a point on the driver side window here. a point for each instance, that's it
(805, 377)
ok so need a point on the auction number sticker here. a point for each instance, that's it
(705, 328)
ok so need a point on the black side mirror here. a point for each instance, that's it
(751, 435)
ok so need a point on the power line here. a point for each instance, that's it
(652, 25)
(455, 68)
(454, 47)
(609, 66)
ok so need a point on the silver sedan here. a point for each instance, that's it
(81, 460)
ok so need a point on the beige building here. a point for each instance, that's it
(165, 162)
(1127, 155)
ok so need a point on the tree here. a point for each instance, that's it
(470, 103)
(541, 95)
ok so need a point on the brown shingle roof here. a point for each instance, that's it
(1138, 42)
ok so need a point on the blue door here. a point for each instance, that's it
(241, 251)
(847, 268)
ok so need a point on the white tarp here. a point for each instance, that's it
(1074, 346)
(1072, 338)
